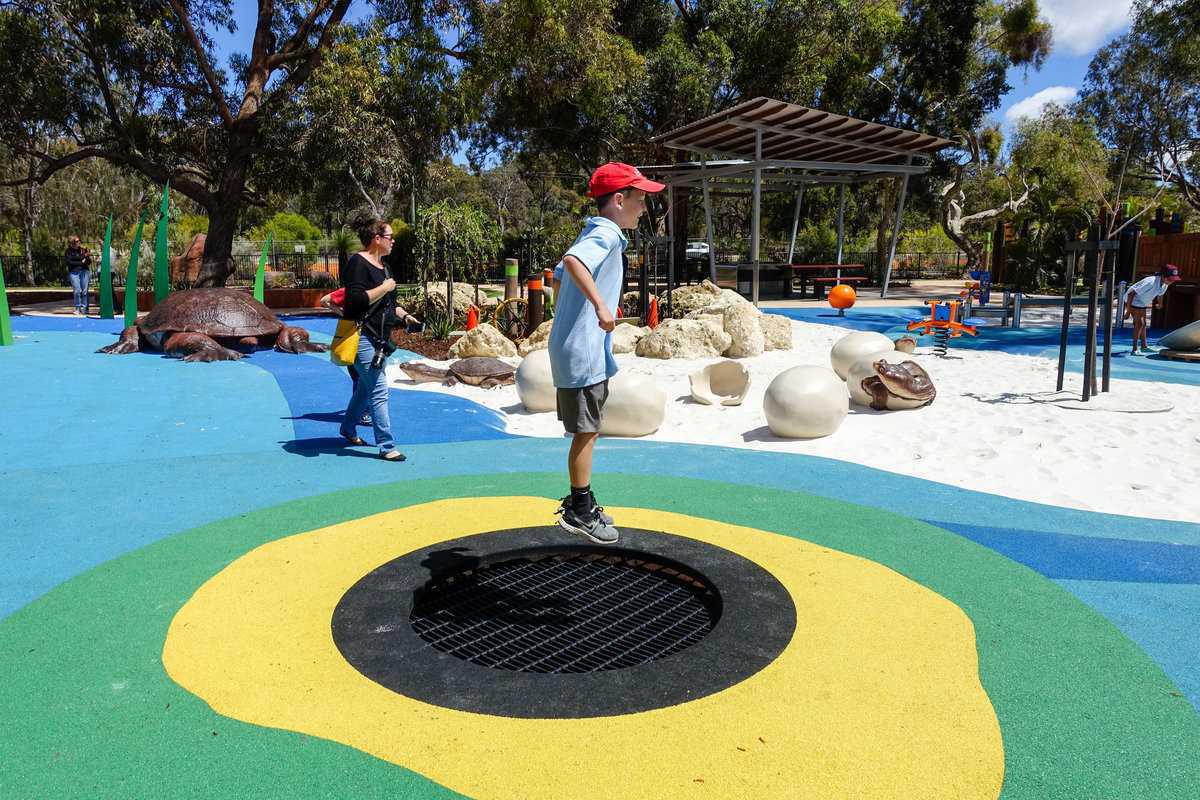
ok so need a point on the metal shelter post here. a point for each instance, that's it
(670, 246)
(755, 215)
(1072, 255)
(887, 270)
(1092, 272)
(708, 237)
(1108, 265)
(795, 222)
(841, 227)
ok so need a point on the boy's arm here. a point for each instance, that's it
(583, 279)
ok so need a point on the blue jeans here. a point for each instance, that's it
(79, 289)
(371, 390)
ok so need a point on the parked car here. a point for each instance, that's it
(698, 249)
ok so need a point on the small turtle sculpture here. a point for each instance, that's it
(475, 371)
(207, 324)
(897, 386)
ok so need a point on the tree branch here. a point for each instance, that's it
(202, 58)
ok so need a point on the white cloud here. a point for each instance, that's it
(1032, 106)
(1080, 26)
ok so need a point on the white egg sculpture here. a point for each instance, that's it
(636, 406)
(806, 403)
(535, 384)
(724, 383)
(1185, 338)
(854, 346)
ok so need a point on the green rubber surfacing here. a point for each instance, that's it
(90, 712)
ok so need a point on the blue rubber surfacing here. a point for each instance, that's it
(172, 446)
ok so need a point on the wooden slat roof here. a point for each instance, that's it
(798, 133)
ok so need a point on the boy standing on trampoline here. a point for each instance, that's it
(581, 359)
(1141, 295)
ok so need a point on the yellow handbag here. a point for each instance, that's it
(345, 342)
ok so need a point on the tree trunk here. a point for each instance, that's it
(887, 219)
(218, 267)
(28, 240)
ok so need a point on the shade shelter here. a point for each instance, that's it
(765, 145)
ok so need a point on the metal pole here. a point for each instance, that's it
(887, 270)
(755, 214)
(1109, 266)
(795, 222)
(708, 237)
(1089, 354)
(670, 245)
(841, 227)
(1120, 310)
(1066, 319)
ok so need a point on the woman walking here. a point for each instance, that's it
(370, 300)
(79, 262)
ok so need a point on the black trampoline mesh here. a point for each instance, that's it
(565, 612)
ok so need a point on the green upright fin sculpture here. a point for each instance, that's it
(260, 276)
(161, 278)
(131, 275)
(106, 292)
(6, 336)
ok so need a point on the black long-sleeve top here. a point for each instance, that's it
(76, 260)
(358, 276)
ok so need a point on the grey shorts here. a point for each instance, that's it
(582, 409)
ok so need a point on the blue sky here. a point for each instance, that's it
(1080, 28)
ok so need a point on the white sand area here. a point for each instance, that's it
(994, 427)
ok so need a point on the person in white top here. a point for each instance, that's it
(1141, 295)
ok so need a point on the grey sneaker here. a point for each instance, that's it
(565, 503)
(591, 526)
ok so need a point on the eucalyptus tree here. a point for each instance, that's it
(1143, 89)
(138, 83)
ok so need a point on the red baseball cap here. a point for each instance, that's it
(1170, 272)
(615, 176)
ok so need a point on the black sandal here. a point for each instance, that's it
(354, 441)
(393, 455)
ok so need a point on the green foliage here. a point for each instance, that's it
(438, 326)
(286, 226)
(186, 226)
(455, 237)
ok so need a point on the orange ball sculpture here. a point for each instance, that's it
(842, 296)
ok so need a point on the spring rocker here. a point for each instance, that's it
(943, 323)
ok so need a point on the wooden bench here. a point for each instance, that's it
(819, 283)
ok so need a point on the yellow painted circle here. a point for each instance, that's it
(877, 695)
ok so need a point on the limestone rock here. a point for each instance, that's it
(535, 384)
(723, 383)
(483, 340)
(626, 336)
(741, 323)
(806, 403)
(636, 406)
(727, 299)
(435, 303)
(686, 299)
(777, 331)
(538, 340)
(186, 267)
(684, 338)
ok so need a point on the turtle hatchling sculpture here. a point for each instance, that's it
(211, 325)
(475, 371)
(898, 386)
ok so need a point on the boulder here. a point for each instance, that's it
(538, 340)
(626, 336)
(854, 346)
(435, 303)
(806, 403)
(686, 299)
(777, 331)
(535, 384)
(741, 323)
(723, 383)
(1185, 338)
(684, 338)
(728, 298)
(186, 267)
(636, 406)
(483, 340)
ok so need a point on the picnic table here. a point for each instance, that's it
(822, 274)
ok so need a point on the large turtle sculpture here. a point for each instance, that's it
(211, 325)
(896, 386)
(474, 371)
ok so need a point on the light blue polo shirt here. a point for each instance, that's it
(580, 351)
